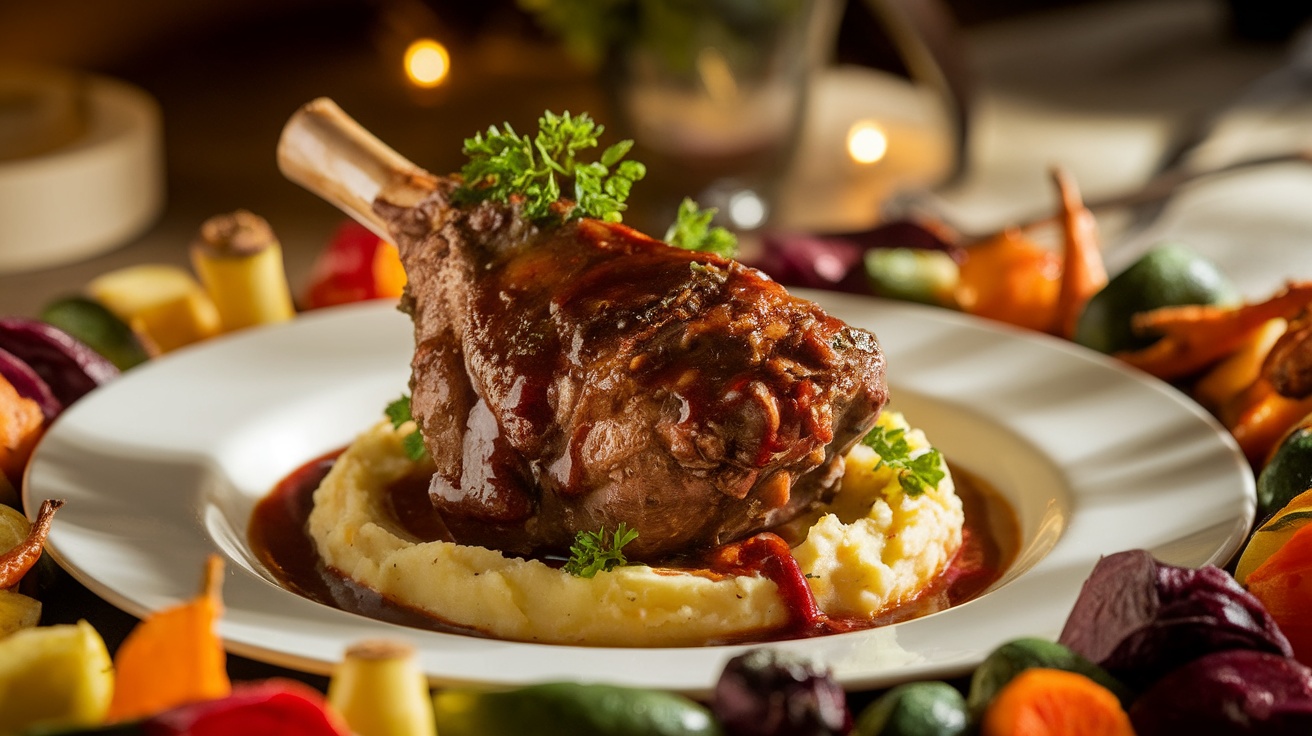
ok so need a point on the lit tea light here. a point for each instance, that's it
(866, 142)
(427, 63)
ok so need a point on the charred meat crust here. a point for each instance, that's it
(575, 377)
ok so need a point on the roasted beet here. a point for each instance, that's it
(769, 693)
(1139, 618)
(836, 261)
(1233, 692)
(68, 366)
(28, 384)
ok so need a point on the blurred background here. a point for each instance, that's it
(959, 106)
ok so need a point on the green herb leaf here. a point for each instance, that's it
(591, 553)
(503, 164)
(399, 413)
(915, 474)
(692, 231)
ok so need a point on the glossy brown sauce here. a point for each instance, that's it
(278, 535)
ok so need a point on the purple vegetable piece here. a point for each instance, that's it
(836, 262)
(66, 364)
(1139, 618)
(1239, 691)
(28, 384)
(768, 693)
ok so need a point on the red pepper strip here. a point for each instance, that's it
(767, 554)
(15, 563)
(273, 707)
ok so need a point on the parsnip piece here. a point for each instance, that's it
(54, 677)
(162, 303)
(379, 690)
(17, 611)
(239, 262)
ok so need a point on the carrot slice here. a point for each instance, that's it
(1048, 702)
(1083, 271)
(15, 563)
(174, 656)
(21, 425)
(1009, 278)
(1195, 336)
(1261, 417)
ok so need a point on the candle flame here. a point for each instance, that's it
(866, 142)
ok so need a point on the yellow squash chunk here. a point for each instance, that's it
(17, 612)
(1273, 534)
(239, 261)
(164, 304)
(54, 677)
(14, 528)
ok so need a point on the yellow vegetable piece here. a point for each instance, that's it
(1274, 533)
(174, 656)
(380, 691)
(17, 612)
(1220, 386)
(14, 528)
(239, 261)
(164, 304)
(54, 677)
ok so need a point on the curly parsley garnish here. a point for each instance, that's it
(399, 413)
(591, 553)
(504, 163)
(915, 474)
(692, 231)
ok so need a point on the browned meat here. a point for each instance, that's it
(584, 375)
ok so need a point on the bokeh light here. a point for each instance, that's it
(427, 63)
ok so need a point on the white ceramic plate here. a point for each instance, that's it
(164, 466)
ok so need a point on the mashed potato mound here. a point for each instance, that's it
(872, 548)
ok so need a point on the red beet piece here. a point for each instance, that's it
(1234, 692)
(68, 366)
(28, 384)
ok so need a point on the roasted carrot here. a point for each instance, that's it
(1195, 336)
(1260, 417)
(1223, 383)
(1009, 278)
(1083, 271)
(1284, 585)
(15, 563)
(1048, 702)
(21, 425)
(173, 656)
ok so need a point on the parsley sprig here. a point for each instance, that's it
(503, 163)
(916, 474)
(692, 230)
(591, 553)
(399, 413)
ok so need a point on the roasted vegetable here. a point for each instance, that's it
(272, 707)
(765, 692)
(163, 304)
(568, 709)
(1012, 279)
(15, 562)
(1284, 585)
(17, 611)
(1043, 702)
(29, 384)
(1233, 693)
(931, 708)
(89, 321)
(1083, 273)
(21, 425)
(1273, 534)
(173, 656)
(68, 366)
(837, 261)
(239, 262)
(914, 275)
(1003, 664)
(1289, 470)
(379, 690)
(54, 677)
(355, 266)
(1139, 618)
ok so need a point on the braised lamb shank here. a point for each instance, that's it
(573, 377)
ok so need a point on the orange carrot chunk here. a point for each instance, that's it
(21, 425)
(1047, 702)
(1284, 585)
(1009, 278)
(173, 656)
